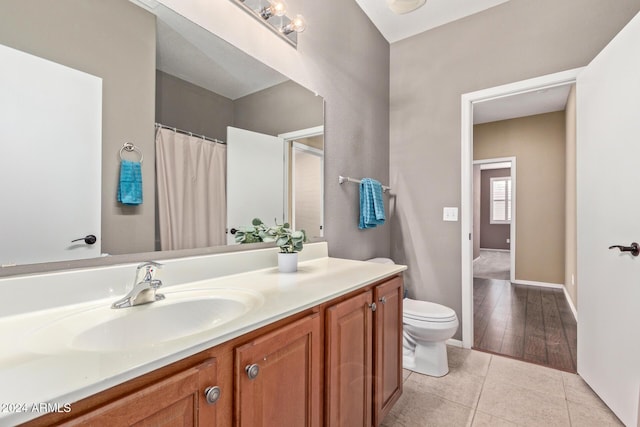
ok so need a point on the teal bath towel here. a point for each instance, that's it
(371, 204)
(130, 185)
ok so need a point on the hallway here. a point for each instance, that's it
(529, 323)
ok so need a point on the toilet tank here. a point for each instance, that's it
(381, 260)
(387, 261)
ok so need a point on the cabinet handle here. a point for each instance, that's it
(252, 371)
(383, 300)
(212, 394)
(373, 306)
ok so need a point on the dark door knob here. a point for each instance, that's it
(89, 239)
(634, 248)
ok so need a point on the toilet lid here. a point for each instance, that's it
(424, 310)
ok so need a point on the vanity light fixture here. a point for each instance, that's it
(272, 14)
(275, 8)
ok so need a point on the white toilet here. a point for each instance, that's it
(427, 327)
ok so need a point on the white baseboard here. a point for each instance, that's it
(571, 306)
(495, 250)
(454, 343)
(541, 284)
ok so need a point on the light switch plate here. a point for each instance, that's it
(450, 214)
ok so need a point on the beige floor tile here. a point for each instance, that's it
(578, 391)
(475, 362)
(417, 408)
(534, 377)
(522, 405)
(405, 374)
(458, 386)
(591, 416)
(480, 419)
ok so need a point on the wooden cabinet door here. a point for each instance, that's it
(348, 362)
(176, 401)
(286, 388)
(387, 344)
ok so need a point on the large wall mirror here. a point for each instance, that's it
(223, 137)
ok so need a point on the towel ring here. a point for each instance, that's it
(127, 146)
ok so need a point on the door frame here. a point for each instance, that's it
(466, 173)
(289, 139)
(315, 152)
(512, 228)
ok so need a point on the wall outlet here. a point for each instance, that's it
(450, 214)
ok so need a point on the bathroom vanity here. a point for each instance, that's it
(322, 346)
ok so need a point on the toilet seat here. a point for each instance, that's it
(424, 311)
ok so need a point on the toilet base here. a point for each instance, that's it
(428, 358)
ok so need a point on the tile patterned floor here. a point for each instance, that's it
(482, 389)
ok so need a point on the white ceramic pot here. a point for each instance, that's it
(287, 262)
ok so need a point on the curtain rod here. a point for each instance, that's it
(186, 132)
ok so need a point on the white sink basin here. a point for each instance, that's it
(180, 314)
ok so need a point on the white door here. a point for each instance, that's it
(608, 162)
(307, 171)
(50, 160)
(255, 179)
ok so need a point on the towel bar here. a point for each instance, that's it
(343, 179)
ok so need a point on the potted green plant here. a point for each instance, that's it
(251, 233)
(289, 241)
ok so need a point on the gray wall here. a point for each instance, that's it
(189, 107)
(516, 40)
(114, 40)
(492, 236)
(281, 108)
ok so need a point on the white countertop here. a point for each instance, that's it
(33, 374)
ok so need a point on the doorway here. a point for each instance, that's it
(494, 218)
(507, 302)
(304, 180)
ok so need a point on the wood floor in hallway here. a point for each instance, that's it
(529, 323)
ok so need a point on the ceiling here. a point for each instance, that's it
(433, 14)
(522, 105)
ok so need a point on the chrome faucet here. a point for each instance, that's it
(144, 289)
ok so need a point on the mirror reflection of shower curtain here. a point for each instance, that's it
(191, 174)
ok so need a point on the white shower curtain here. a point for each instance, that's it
(191, 180)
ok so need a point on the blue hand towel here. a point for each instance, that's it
(371, 204)
(130, 185)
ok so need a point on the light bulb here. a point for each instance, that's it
(275, 8)
(279, 8)
(297, 24)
